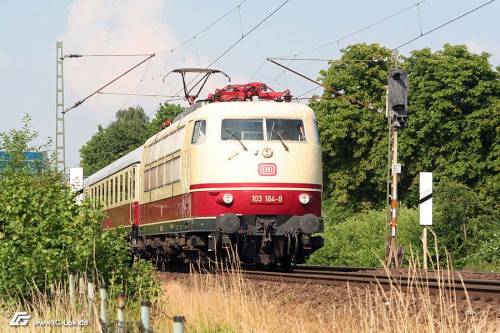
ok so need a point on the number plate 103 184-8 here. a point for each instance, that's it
(267, 199)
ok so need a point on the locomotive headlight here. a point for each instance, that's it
(227, 198)
(304, 198)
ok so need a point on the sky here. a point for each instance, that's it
(29, 31)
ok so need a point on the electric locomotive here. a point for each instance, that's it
(239, 171)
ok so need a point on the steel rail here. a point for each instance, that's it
(489, 289)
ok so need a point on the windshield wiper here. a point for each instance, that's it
(282, 141)
(236, 138)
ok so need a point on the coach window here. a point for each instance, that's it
(116, 189)
(133, 183)
(152, 178)
(161, 175)
(121, 188)
(111, 191)
(146, 180)
(285, 129)
(106, 193)
(199, 131)
(125, 193)
(242, 129)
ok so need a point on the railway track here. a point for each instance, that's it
(485, 289)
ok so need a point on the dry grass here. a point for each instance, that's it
(229, 303)
(232, 304)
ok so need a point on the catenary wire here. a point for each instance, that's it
(349, 35)
(237, 7)
(237, 42)
(444, 24)
(360, 30)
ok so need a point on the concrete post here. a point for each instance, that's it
(145, 313)
(120, 315)
(103, 296)
(178, 324)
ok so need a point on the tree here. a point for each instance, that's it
(354, 139)
(453, 122)
(130, 130)
(164, 112)
(127, 132)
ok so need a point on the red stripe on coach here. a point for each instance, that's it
(226, 185)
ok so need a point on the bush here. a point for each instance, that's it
(45, 234)
(360, 239)
(466, 227)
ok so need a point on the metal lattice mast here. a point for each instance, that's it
(60, 137)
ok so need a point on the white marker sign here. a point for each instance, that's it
(76, 182)
(426, 198)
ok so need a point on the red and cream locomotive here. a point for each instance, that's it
(240, 170)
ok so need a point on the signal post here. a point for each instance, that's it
(397, 114)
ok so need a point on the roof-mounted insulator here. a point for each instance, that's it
(244, 92)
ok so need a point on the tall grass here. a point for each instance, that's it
(230, 303)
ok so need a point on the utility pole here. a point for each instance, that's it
(397, 95)
(60, 135)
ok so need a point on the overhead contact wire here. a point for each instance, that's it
(444, 24)
(237, 42)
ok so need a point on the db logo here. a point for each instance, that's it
(267, 169)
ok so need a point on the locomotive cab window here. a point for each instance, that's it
(285, 129)
(242, 129)
(199, 131)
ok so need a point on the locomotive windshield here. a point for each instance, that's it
(285, 129)
(242, 129)
(252, 129)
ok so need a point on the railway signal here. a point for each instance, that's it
(397, 114)
(397, 95)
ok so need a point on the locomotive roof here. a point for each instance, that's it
(131, 158)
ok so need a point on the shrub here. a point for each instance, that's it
(45, 234)
(360, 239)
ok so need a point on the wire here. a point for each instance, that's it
(346, 36)
(76, 55)
(307, 92)
(360, 30)
(258, 69)
(241, 22)
(419, 20)
(237, 42)
(444, 24)
(204, 29)
(331, 60)
(134, 94)
(137, 84)
(80, 102)
(336, 93)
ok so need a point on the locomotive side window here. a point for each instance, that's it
(285, 129)
(242, 129)
(199, 131)
(316, 129)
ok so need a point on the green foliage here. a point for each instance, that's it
(454, 120)
(354, 140)
(466, 226)
(453, 124)
(165, 112)
(127, 132)
(360, 239)
(45, 234)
